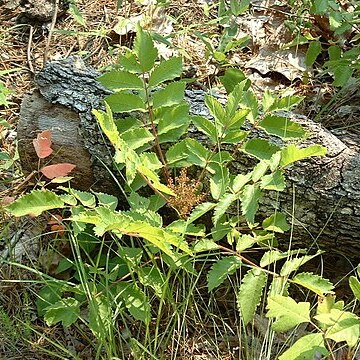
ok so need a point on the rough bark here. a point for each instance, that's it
(322, 197)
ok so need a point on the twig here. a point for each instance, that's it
(28, 52)
(53, 21)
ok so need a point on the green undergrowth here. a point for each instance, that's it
(136, 275)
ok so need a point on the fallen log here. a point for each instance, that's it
(322, 198)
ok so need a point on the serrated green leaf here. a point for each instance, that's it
(177, 155)
(260, 148)
(259, 171)
(231, 78)
(197, 153)
(282, 127)
(135, 301)
(335, 19)
(276, 222)
(154, 235)
(129, 63)
(286, 102)
(240, 181)
(216, 109)
(334, 52)
(274, 181)
(221, 269)
(154, 179)
(123, 103)
(306, 348)
(151, 161)
(205, 126)
(107, 124)
(234, 99)
(66, 310)
(172, 94)
(173, 122)
(220, 230)
(204, 245)
(250, 292)
(121, 80)
(313, 51)
(267, 100)
(200, 210)
(35, 203)
(184, 228)
(249, 101)
(292, 153)
(85, 198)
(341, 326)
(355, 286)
(222, 206)
(245, 242)
(219, 182)
(274, 255)
(294, 264)
(144, 49)
(288, 312)
(250, 197)
(127, 123)
(315, 283)
(166, 70)
(135, 138)
(233, 136)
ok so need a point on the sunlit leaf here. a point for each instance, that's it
(144, 49)
(166, 70)
(121, 80)
(313, 282)
(282, 127)
(292, 153)
(287, 312)
(260, 148)
(307, 347)
(35, 203)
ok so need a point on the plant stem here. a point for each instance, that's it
(154, 132)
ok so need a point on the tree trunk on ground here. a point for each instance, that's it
(322, 198)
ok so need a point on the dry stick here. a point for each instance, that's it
(28, 52)
(53, 21)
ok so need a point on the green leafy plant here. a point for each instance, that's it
(184, 199)
(227, 42)
(337, 25)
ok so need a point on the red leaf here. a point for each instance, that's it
(42, 144)
(56, 170)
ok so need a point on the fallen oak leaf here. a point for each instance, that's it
(42, 144)
(57, 170)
